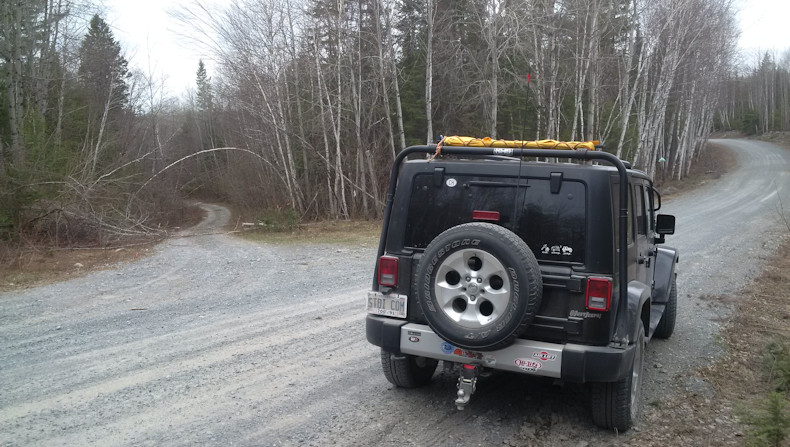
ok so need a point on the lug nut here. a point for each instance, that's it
(472, 297)
(479, 280)
(468, 278)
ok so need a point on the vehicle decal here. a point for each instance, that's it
(576, 313)
(414, 339)
(451, 182)
(557, 250)
(467, 354)
(528, 364)
(447, 348)
(544, 356)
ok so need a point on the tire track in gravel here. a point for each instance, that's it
(227, 339)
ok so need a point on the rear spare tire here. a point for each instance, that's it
(479, 286)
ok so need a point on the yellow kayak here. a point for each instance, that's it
(518, 144)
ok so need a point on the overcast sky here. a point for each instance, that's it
(148, 35)
(150, 38)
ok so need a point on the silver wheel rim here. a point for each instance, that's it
(472, 288)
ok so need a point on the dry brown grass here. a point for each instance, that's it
(713, 162)
(30, 264)
(329, 232)
(779, 138)
(32, 267)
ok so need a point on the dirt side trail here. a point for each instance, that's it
(214, 340)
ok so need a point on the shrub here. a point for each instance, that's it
(279, 219)
(770, 425)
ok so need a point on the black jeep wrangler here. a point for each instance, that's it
(492, 259)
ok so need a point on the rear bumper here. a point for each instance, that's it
(571, 362)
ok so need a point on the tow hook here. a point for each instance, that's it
(467, 383)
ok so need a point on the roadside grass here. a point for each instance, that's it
(339, 232)
(21, 268)
(780, 138)
(712, 162)
(29, 263)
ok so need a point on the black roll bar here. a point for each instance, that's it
(577, 154)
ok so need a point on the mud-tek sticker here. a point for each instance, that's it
(447, 348)
(414, 339)
(528, 364)
(544, 356)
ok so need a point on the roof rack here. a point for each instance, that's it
(519, 144)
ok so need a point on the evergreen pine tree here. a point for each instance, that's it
(103, 74)
(204, 94)
(102, 67)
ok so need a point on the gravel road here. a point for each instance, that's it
(213, 340)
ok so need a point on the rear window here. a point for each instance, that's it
(553, 225)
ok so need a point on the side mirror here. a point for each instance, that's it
(665, 224)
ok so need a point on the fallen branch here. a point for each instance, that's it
(206, 151)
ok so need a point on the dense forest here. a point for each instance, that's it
(312, 99)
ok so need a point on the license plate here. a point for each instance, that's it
(387, 305)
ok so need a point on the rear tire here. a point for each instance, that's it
(617, 405)
(407, 371)
(666, 326)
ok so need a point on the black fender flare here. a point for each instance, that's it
(626, 328)
(666, 259)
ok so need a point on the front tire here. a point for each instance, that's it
(407, 371)
(617, 405)
(666, 326)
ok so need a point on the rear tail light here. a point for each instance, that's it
(491, 216)
(599, 294)
(388, 271)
